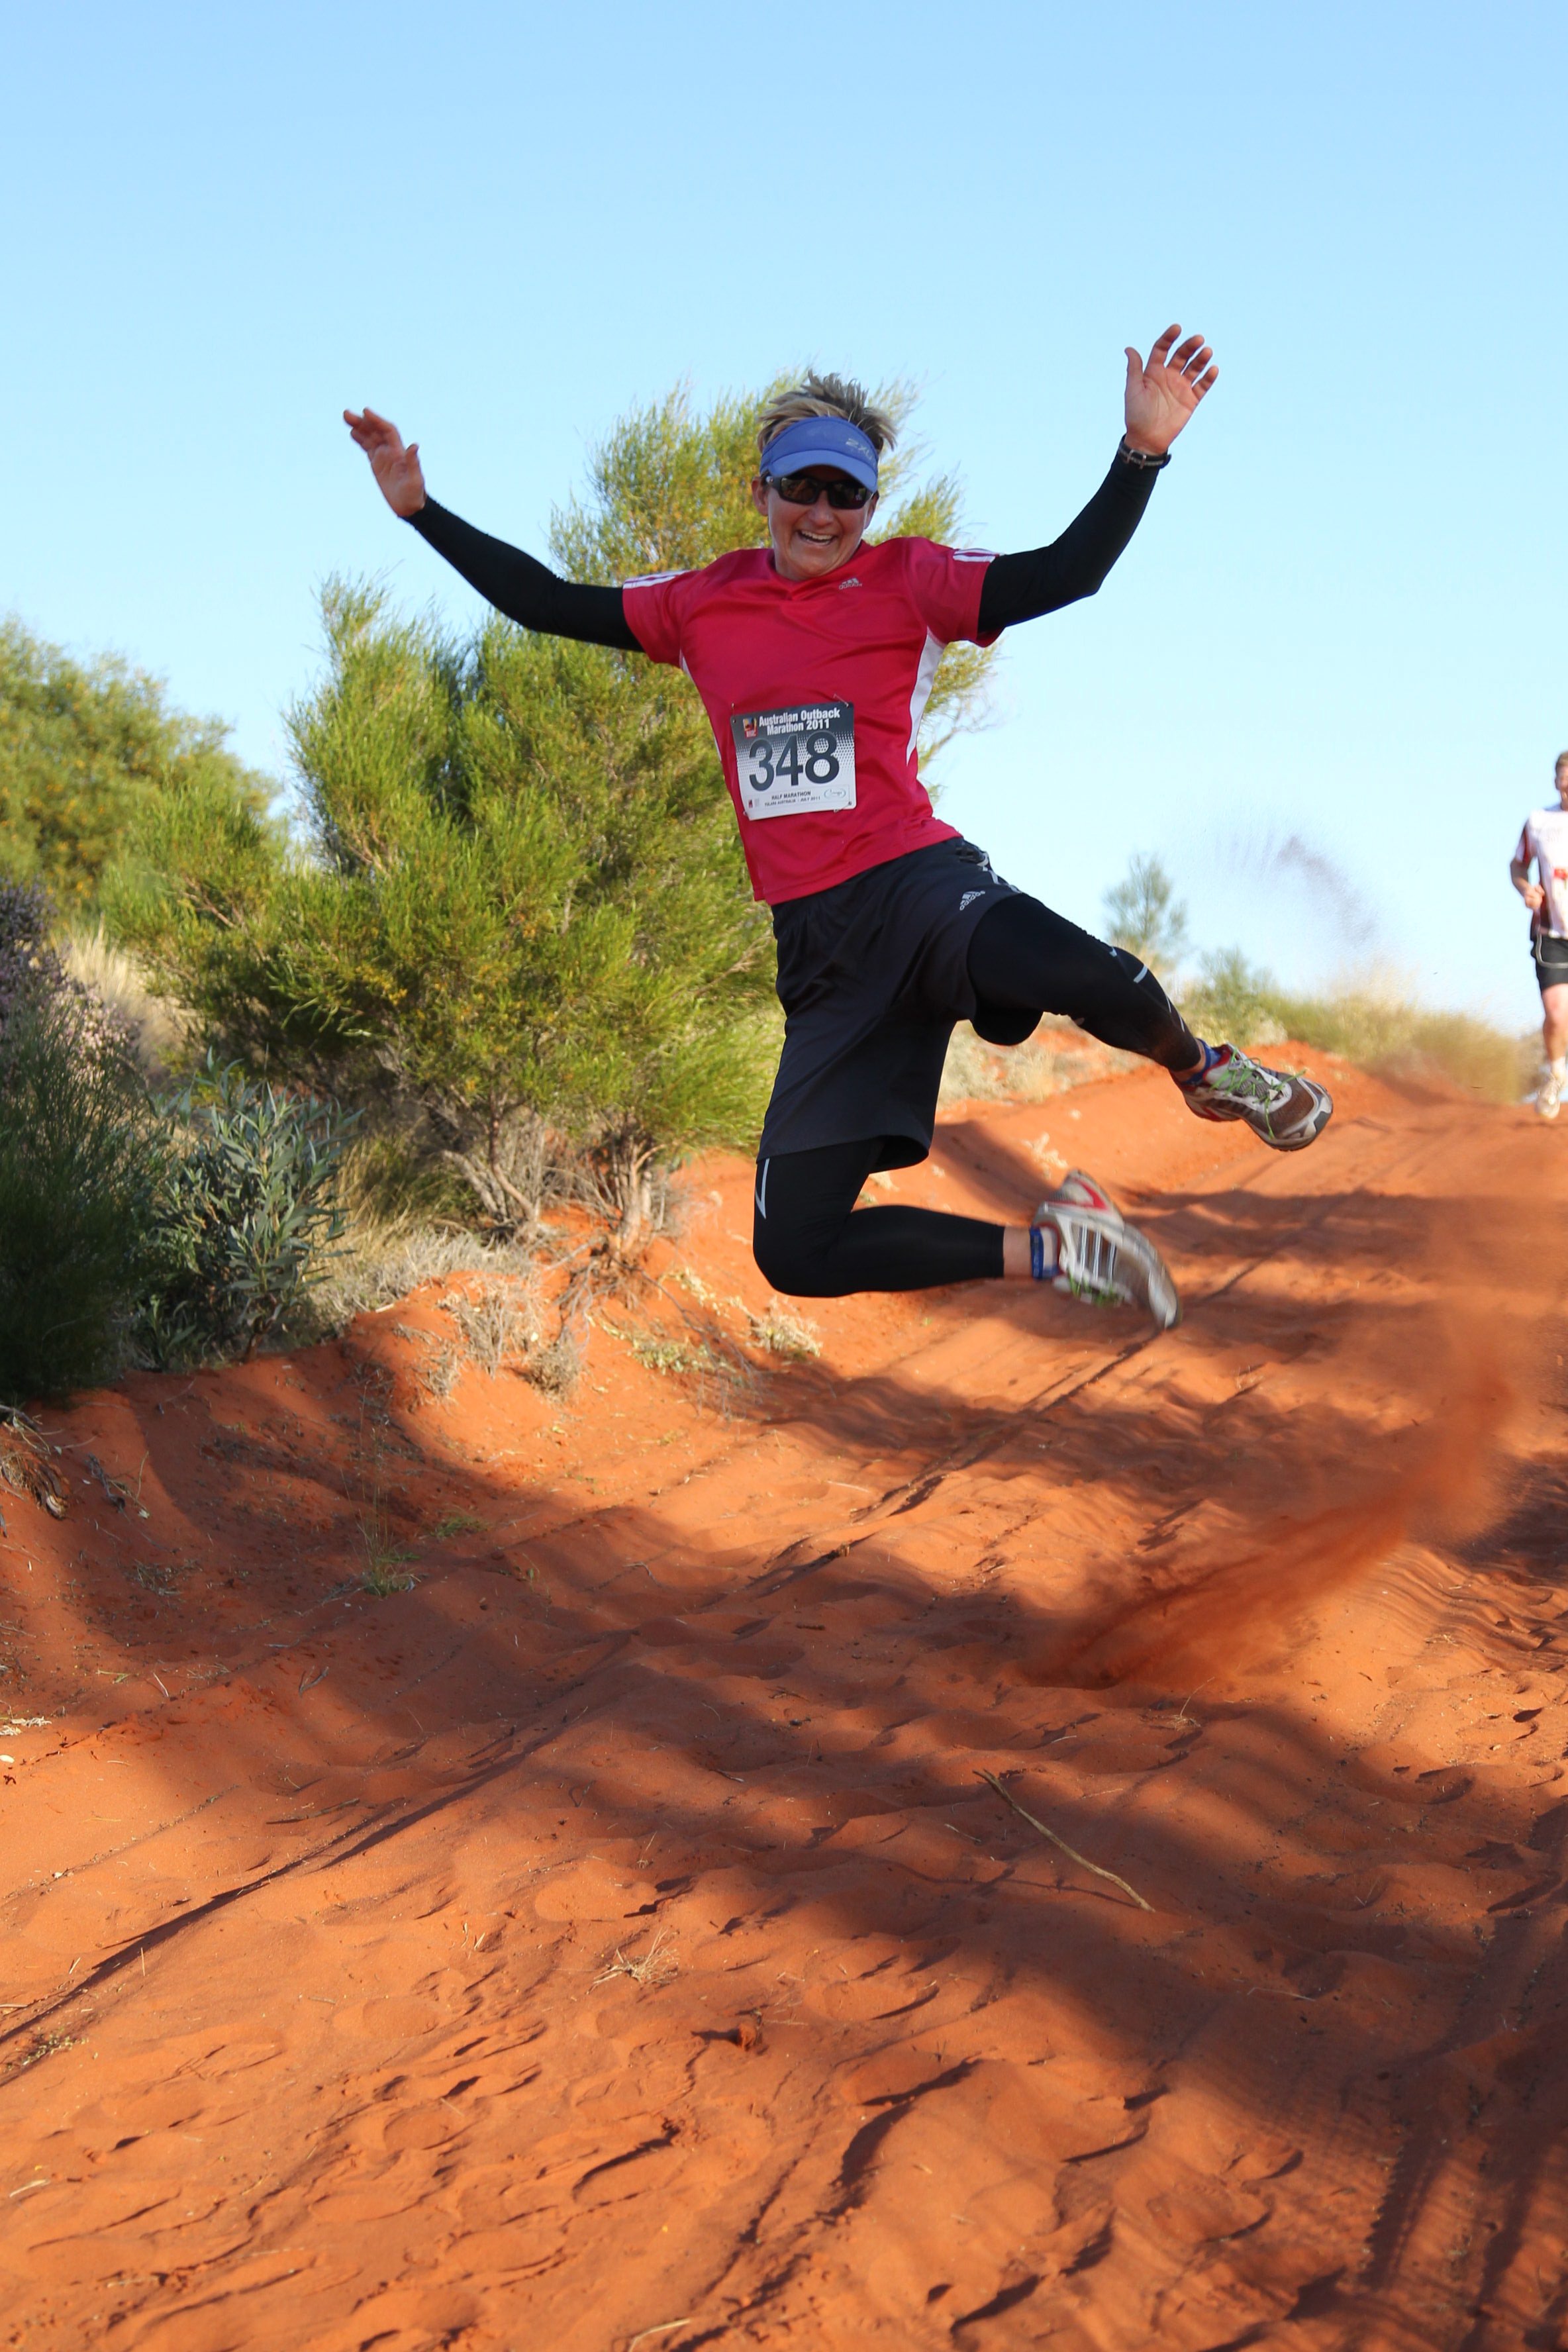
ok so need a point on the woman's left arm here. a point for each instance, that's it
(1160, 398)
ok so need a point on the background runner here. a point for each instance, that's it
(1543, 843)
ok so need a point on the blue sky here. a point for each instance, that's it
(1325, 683)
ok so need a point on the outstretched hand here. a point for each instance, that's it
(397, 469)
(1162, 396)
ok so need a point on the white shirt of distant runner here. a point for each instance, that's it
(1554, 998)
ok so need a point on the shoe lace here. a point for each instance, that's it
(1250, 1082)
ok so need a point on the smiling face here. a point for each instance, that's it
(809, 540)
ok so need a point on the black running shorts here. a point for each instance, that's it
(1549, 954)
(873, 976)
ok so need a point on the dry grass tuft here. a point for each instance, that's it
(386, 1562)
(442, 1370)
(557, 1366)
(1388, 1033)
(25, 1464)
(498, 1320)
(497, 1306)
(382, 1261)
(161, 1030)
(785, 1333)
(154, 1578)
(454, 1523)
(659, 1353)
(381, 1578)
(657, 1965)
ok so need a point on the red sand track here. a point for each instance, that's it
(310, 1899)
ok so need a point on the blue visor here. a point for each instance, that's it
(822, 441)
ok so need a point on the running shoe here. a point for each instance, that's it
(1100, 1258)
(1283, 1109)
(1549, 1096)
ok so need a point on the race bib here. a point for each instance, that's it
(794, 762)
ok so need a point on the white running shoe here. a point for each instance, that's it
(1549, 1096)
(1285, 1112)
(1102, 1259)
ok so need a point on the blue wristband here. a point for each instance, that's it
(1037, 1253)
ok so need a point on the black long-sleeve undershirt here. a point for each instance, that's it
(522, 588)
(1016, 587)
(1023, 587)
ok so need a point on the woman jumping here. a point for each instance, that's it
(814, 656)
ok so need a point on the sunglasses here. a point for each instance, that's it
(804, 490)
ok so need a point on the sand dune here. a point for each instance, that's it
(609, 1941)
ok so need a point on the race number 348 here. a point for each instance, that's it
(793, 762)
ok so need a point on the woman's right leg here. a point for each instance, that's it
(811, 1242)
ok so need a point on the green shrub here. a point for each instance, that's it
(192, 1224)
(1232, 1000)
(82, 751)
(243, 1215)
(1143, 913)
(78, 1165)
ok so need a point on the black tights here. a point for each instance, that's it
(807, 1243)
(1023, 960)
(809, 1237)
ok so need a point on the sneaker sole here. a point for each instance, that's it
(1308, 1130)
(1296, 1139)
(1164, 1301)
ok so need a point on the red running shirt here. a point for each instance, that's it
(815, 690)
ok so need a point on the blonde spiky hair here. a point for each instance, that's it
(826, 395)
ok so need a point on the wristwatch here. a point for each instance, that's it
(1143, 458)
